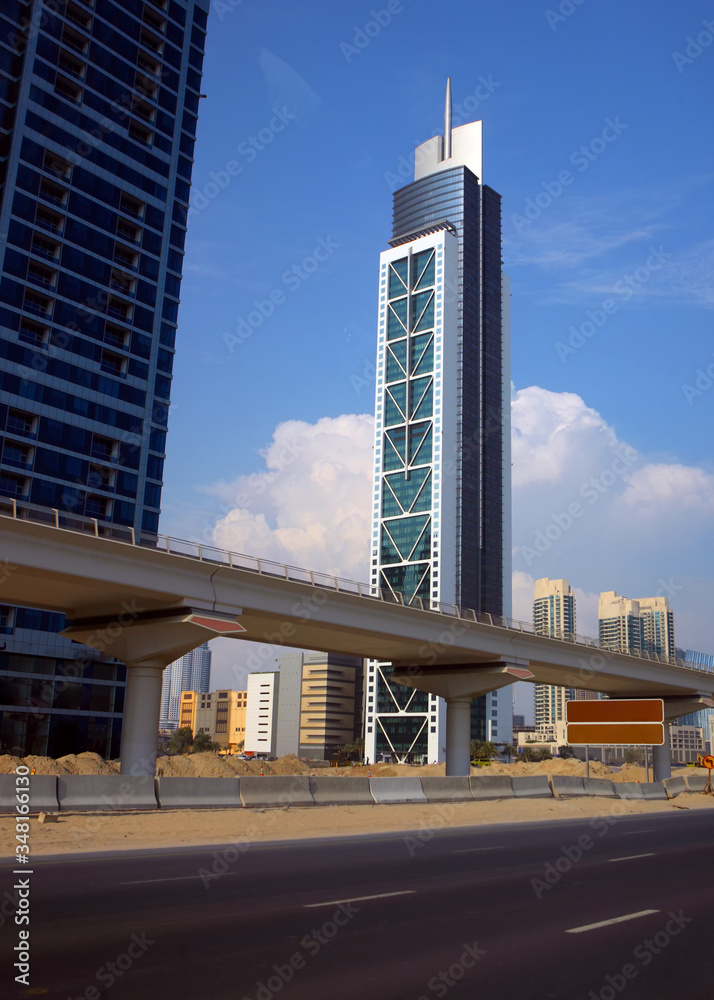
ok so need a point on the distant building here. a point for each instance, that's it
(219, 714)
(554, 615)
(553, 608)
(519, 722)
(687, 742)
(320, 705)
(645, 623)
(261, 730)
(191, 672)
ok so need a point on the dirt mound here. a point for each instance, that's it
(290, 764)
(84, 763)
(555, 766)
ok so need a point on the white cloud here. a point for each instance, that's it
(554, 434)
(668, 489)
(586, 506)
(310, 505)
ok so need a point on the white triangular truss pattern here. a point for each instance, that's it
(417, 403)
(428, 261)
(391, 695)
(403, 509)
(430, 299)
(414, 547)
(416, 364)
(402, 757)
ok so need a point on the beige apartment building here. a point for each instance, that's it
(645, 623)
(219, 714)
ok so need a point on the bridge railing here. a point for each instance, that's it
(67, 521)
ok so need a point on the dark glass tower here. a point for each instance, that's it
(442, 448)
(98, 110)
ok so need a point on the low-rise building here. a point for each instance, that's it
(219, 714)
(687, 742)
(261, 729)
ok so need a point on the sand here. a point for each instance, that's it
(77, 833)
(211, 765)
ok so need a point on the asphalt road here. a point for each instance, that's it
(494, 913)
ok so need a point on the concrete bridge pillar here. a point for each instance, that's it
(458, 736)
(142, 706)
(662, 758)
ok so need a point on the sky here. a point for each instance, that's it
(598, 135)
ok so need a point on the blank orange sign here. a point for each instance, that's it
(616, 710)
(615, 734)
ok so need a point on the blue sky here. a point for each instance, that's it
(600, 142)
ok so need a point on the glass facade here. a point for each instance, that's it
(438, 504)
(98, 112)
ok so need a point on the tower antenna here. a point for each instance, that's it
(447, 121)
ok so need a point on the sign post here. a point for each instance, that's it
(708, 762)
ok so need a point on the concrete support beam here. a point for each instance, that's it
(662, 758)
(458, 737)
(142, 706)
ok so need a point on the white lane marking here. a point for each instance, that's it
(358, 899)
(633, 857)
(146, 881)
(632, 833)
(613, 920)
(472, 850)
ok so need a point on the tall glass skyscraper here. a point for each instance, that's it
(98, 109)
(191, 672)
(441, 510)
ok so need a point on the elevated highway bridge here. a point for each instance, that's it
(149, 601)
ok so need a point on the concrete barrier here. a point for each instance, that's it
(567, 785)
(674, 786)
(449, 789)
(105, 792)
(599, 786)
(696, 781)
(276, 791)
(491, 786)
(332, 791)
(535, 786)
(42, 789)
(386, 790)
(198, 793)
(653, 790)
(628, 789)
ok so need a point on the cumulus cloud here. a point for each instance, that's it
(310, 504)
(667, 488)
(586, 506)
(554, 435)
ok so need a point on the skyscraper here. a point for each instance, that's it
(441, 515)
(553, 615)
(645, 623)
(191, 672)
(99, 104)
